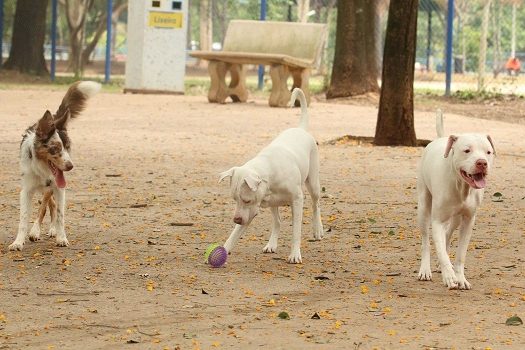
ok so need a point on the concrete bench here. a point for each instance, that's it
(288, 48)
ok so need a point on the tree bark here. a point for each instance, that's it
(483, 45)
(29, 31)
(354, 69)
(206, 31)
(76, 13)
(395, 120)
(303, 7)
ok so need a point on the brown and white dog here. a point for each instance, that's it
(44, 157)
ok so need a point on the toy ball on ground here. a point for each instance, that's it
(216, 255)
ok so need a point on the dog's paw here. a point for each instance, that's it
(34, 234)
(62, 242)
(425, 274)
(318, 233)
(270, 248)
(16, 246)
(463, 283)
(449, 278)
(52, 232)
(295, 258)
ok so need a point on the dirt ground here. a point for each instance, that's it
(133, 278)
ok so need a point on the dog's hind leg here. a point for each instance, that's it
(34, 234)
(53, 213)
(61, 239)
(424, 205)
(465, 232)
(297, 218)
(454, 223)
(314, 188)
(25, 212)
(271, 247)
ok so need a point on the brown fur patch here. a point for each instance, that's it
(74, 101)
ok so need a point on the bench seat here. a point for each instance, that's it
(290, 49)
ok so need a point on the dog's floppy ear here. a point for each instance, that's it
(253, 181)
(492, 144)
(451, 140)
(61, 124)
(45, 126)
(225, 174)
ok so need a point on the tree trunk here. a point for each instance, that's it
(76, 13)
(496, 53)
(395, 120)
(303, 7)
(354, 69)
(483, 45)
(206, 31)
(513, 31)
(29, 31)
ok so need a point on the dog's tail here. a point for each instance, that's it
(75, 99)
(439, 123)
(302, 99)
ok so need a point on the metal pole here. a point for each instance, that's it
(54, 8)
(448, 58)
(261, 67)
(429, 38)
(108, 42)
(1, 31)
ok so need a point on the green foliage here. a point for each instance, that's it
(467, 30)
(469, 95)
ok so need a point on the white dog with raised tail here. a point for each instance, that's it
(274, 178)
(450, 185)
(44, 157)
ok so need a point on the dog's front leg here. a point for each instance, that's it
(297, 218)
(60, 195)
(465, 232)
(25, 212)
(234, 237)
(447, 271)
(271, 247)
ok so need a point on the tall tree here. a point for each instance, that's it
(355, 69)
(395, 120)
(483, 45)
(206, 27)
(29, 31)
(303, 7)
(87, 19)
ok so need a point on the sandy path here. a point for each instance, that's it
(129, 276)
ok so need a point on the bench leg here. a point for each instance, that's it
(280, 95)
(301, 77)
(218, 89)
(237, 89)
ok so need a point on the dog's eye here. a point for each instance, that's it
(489, 152)
(467, 151)
(246, 202)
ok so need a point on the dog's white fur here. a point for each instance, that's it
(274, 178)
(38, 177)
(448, 196)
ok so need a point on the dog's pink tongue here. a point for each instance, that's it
(479, 180)
(60, 179)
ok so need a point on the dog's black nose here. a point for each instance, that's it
(69, 166)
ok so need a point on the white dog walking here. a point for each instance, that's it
(450, 186)
(274, 178)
